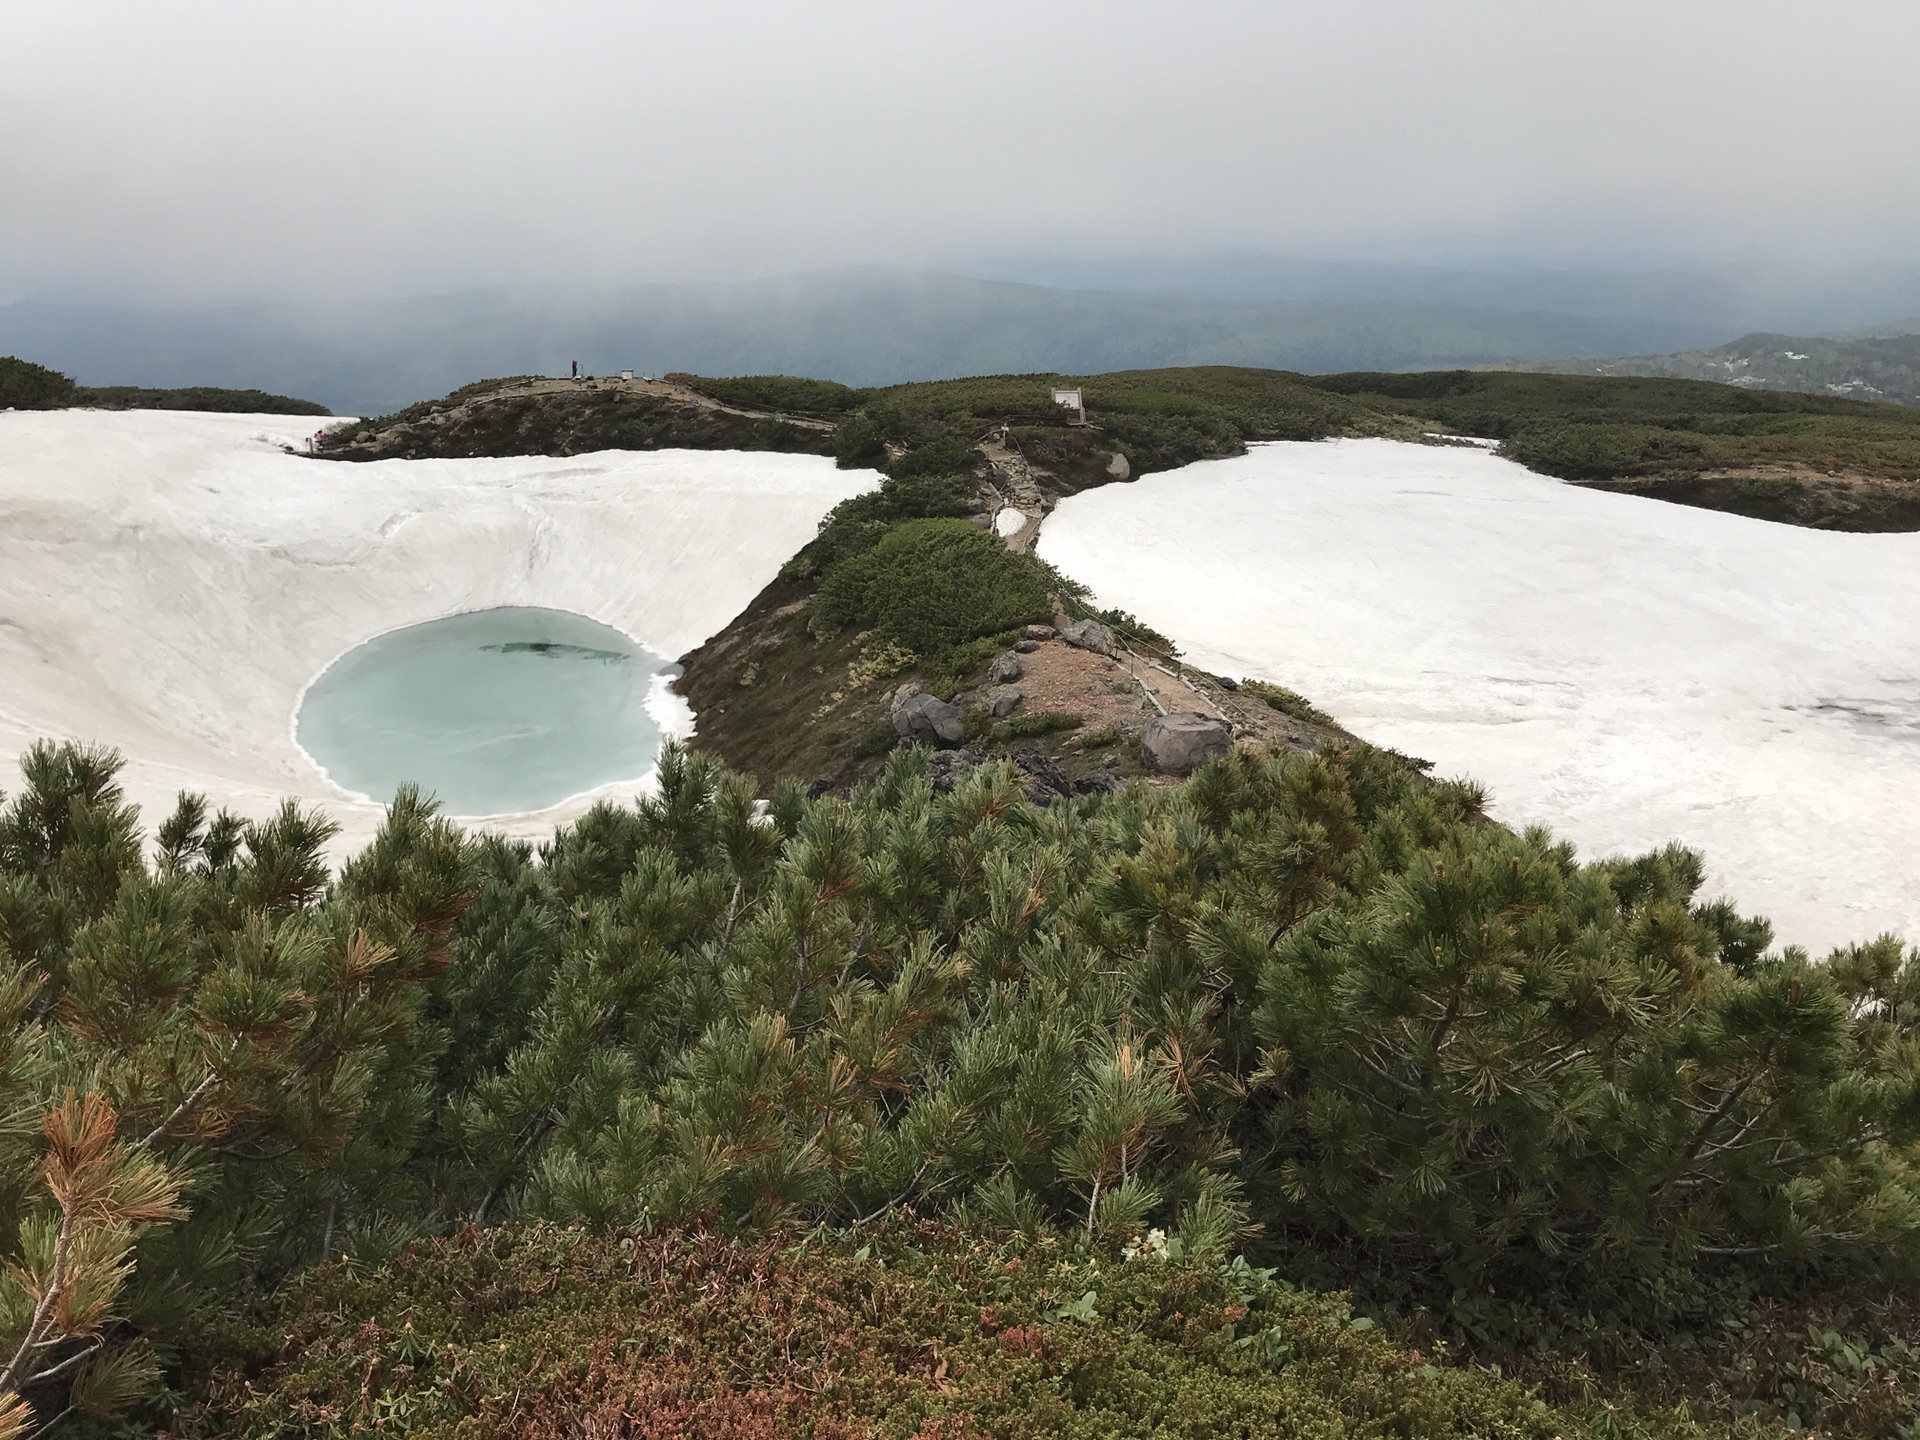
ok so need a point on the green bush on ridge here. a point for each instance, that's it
(929, 585)
(1041, 722)
(27, 386)
(1606, 428)
(788, 394)
(856, 525)
(1287, 702)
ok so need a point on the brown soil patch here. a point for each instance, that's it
(1101, 691)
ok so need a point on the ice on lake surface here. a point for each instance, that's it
(1627, 671)
(494, 711)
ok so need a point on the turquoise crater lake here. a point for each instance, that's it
(493, 711)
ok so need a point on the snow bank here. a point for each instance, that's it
(1627, 671)
(170, 583)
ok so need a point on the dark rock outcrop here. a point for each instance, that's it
(946, 767)
(929, 720)
(1046, 779)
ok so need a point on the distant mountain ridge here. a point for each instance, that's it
(869, 325)
(1880, 363)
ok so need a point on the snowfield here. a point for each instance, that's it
(1627, 671)
(170, 583)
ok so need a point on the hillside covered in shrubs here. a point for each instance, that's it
(27, 386)
(1571, 1118)
(1823, 461)
(1298, 1098)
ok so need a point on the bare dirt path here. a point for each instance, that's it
(1070, 679)
(1012, 478)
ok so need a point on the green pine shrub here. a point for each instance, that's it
(782, 394)
(856, 525)
(1610, 428)
(1309, 1007)
(1126, 625)
(204, 398)
(1041, 722)
(1287, 702)
(27, 386)
(932, 584)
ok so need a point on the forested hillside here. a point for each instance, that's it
(1307, 1009)
(1879, 364)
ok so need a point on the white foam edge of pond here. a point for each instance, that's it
(670, 712)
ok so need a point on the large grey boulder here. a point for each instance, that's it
(1182, 741)
(929, 720)
(1004, 701)
(1005, 669)
(1090, 635)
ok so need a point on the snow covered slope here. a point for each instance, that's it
(169, 583)
(1626, 671)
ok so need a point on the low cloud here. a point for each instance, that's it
(306, 149)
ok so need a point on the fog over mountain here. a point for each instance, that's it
(871, 325)
(367, 203)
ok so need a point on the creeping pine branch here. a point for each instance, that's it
(64, 1366)
(18, 1373)
(181, 1111)
(1381, 1073)
(897, 1199)
(85, 1171)
(533, 1136)
(733, 914)
(1714, 1116)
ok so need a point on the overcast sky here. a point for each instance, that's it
(190, 149)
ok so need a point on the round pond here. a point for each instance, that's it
(493, 711)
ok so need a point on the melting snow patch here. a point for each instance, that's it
(169, 583)
(1625, 670)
